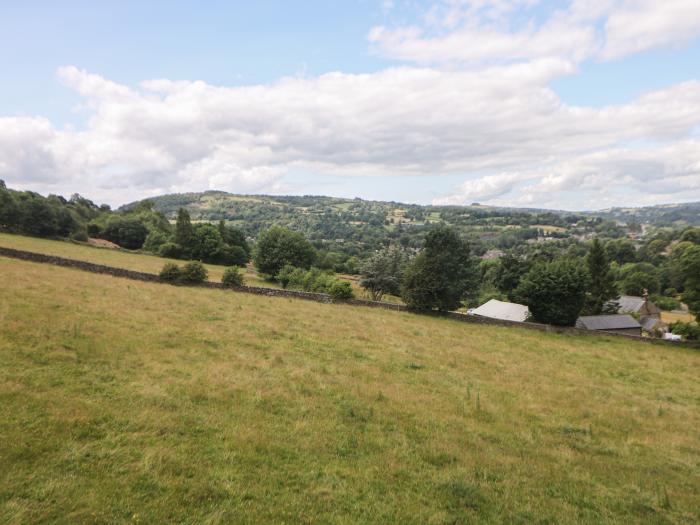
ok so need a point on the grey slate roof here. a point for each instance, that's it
(607, 322)
(500, 310)
(630, 303)
(651, 323)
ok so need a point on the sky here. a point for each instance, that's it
(562, 104)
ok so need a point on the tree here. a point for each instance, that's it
(441, 274)
(128, 233)
(621, 251)
(636, 283)
(278, 247)
(206, 244)
(9, 211)
(383, 272)
(37, 217)
(234, 237)
(184, 231)
(602, 289)
(555, 291)
(690, 267)
(508, 274)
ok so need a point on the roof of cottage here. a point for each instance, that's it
(501, 310)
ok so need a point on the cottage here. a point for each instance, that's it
(495, 309)
(649, 314)
(630, 304)
(620, 323)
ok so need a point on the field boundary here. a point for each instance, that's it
(319, 297)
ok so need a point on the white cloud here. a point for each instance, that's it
(478, 31)
(502, 123)
(643, 175)
(643, 24)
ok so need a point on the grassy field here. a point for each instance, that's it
(109, 257)
(129, 402)
(670, 317)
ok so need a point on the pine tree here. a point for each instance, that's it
(602, 291)
(184, 232)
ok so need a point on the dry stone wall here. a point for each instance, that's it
(318, 297)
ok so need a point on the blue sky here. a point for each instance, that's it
(524, 103)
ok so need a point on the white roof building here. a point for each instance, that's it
(500, 310)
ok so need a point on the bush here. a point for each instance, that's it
(232, 277)
(80, 236)
(341, 290)
(285, 275)
(170, 273)
(127, 233)
(194, 272)
(689, 331)
(170, 250)
(154, 241)
(665, 303)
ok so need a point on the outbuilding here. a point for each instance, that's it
(504, 311)
(620, 323)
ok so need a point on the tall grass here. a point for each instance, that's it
(123, 401)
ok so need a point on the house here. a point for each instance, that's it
(649, 314)
(501, 310)
(630, 304)
(620, 323)
(652, 324)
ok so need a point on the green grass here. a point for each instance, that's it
(127, 402)
(110, 257)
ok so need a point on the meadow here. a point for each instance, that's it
(113, 257)
(130, 402)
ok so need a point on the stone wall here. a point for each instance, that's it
(321, 298)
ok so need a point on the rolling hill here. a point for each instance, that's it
(124, 401)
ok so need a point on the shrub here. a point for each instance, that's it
(284, 276)
(194, 272)
(127, 233)
(80, 236)
(170, 273)
(341, 290)
(232, 277)
(665, 303)
(154, 241)
(690, 331)
(171, 250)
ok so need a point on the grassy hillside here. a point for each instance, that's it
(123, 401)
(110, 257)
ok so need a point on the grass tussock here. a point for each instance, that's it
(130, 402)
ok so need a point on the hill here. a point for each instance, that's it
(354, 228)
(126, 401)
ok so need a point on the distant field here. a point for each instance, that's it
(549, 229)
(670, 317)
(133, 402)
(117, 258)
